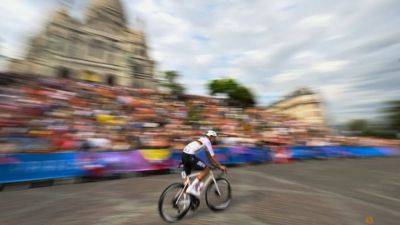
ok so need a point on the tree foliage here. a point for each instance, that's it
(387, 128)
(392, 114)
(194, 114)
(175, 88)
(357, 125)
(238, 95)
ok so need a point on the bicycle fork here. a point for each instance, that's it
(208, 180)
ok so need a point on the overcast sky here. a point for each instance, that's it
(349, 51)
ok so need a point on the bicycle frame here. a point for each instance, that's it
(210, 177)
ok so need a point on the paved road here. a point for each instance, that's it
(345, 191)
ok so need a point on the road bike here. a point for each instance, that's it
(174, 202)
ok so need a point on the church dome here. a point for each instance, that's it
(114, 6)
(61, 15)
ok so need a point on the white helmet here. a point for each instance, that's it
(211, 133)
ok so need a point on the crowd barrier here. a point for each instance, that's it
(29, 167)
(313, 152)
(111, 163)
(232, 155)
(32, 167)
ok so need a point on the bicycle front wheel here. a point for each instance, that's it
(218, 195)
(173, 203)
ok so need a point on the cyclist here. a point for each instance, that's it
(191, 161)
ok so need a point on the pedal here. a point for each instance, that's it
(195, 203)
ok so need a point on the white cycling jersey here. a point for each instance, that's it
(195, 146)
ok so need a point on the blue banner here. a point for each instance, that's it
(239, 155)
(28, 167)
(313, 152)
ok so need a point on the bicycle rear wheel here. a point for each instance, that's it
(173, 203)
(218, 200)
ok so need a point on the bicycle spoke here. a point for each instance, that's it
(173, 203)
(218, 194)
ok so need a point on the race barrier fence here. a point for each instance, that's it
(314, 152)
(30, 167)
(24, 167)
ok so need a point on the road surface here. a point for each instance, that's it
(335, 191)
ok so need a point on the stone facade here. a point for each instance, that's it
(303, 105)
(102, 48)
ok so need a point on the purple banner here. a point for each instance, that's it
(108, 163)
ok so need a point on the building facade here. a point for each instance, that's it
(102, 48)
(303, 105)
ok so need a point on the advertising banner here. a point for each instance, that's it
(108, 163)
(28, 167)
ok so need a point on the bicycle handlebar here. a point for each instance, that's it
(216, 168)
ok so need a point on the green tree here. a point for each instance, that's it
(366, 128)
(194, 114)
(175, 88)
(357, 125)
(238, 95)
(392, 114)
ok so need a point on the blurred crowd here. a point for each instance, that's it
(44, 114)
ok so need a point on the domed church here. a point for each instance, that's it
(100, 48)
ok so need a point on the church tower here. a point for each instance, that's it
(106, 15)
(102, 48)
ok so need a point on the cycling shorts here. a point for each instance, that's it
(191, 162)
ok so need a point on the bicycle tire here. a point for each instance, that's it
(180, 215)
(226, 202)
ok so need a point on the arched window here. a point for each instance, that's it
(63, 72)
(137, 69)
(110, 79)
